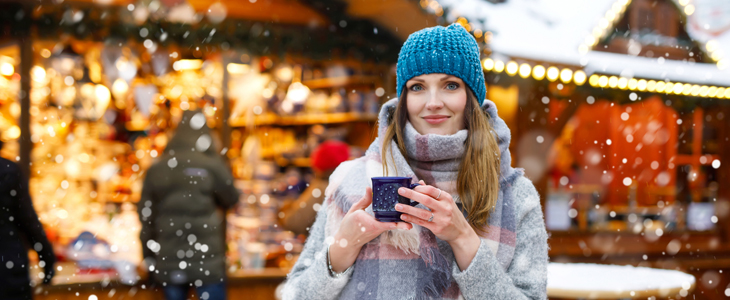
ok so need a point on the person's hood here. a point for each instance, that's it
(192, 135)
(499, 127)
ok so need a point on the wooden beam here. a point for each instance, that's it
(279, 11)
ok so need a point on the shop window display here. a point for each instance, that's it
(101, 113)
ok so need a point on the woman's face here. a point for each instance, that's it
(436, 103)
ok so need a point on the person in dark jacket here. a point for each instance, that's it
(184, 198)
(19, 230)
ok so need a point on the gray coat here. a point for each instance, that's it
(182, 207)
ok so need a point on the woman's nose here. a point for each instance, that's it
(434, 103)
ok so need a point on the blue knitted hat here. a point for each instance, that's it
(448, 50)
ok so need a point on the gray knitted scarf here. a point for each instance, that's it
(416, 258)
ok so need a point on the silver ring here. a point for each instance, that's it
(431, 218)
(439, 194)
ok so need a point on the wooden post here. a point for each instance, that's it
(25, 44)
(226, 107)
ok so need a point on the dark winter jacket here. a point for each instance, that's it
(182, 207)
(20, 230)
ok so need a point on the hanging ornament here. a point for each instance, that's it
(182, 13)
(66, 61)
(160, 61)
(217, 12)
(143, 95)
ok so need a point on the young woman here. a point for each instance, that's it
(478, 232)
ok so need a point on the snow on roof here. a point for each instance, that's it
(553, 30)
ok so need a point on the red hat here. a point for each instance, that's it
(328, 155)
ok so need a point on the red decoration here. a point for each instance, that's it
(328, 155)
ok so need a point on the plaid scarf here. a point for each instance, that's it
(414, 263)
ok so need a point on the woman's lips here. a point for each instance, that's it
(435, 119)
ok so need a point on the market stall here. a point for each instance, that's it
(105, 82)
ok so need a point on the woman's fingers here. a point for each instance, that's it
(414, 211)
(431, 191)
(419, 197)
(417, 221)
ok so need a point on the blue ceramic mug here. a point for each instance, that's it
(385, 197)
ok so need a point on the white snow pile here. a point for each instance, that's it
(613, 278)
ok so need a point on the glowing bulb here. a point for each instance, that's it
(720, 92)
(234, 68)
(623, 83)
(723, 63)
(119, 87)
(538, 72)
(512, 68)
(613, 81)
(579, 77)
(593, 80)
(11, 133)
(7, 69)
(689, 9)
(694, 89)
(103, 97)
(38, 73)
(603, 81)
(711, 92)
(641, 85)
(488, 64)
(553, 73)
(651, 86)
(679, 88)
(610, 15)
(187, 64)
(633, 83)
(704, 91)
(525, 70)
(591, 40)
(498, 66)
(660, 86)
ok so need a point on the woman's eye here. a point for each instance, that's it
(416, 87)
(452, 86)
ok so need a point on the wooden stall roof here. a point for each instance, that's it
(279, 11)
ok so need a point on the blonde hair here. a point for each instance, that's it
(477, 182)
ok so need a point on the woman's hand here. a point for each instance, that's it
(357, 229)
(444, 219)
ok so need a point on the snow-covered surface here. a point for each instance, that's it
(613, 278)
(552, 30)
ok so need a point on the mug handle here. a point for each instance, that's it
(412, 186)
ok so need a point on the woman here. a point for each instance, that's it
(181, 209)
(478, 231)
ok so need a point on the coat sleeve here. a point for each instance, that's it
(226, 194)
(146, 209)
(526, 277)
(310, 277)
(32, 228)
